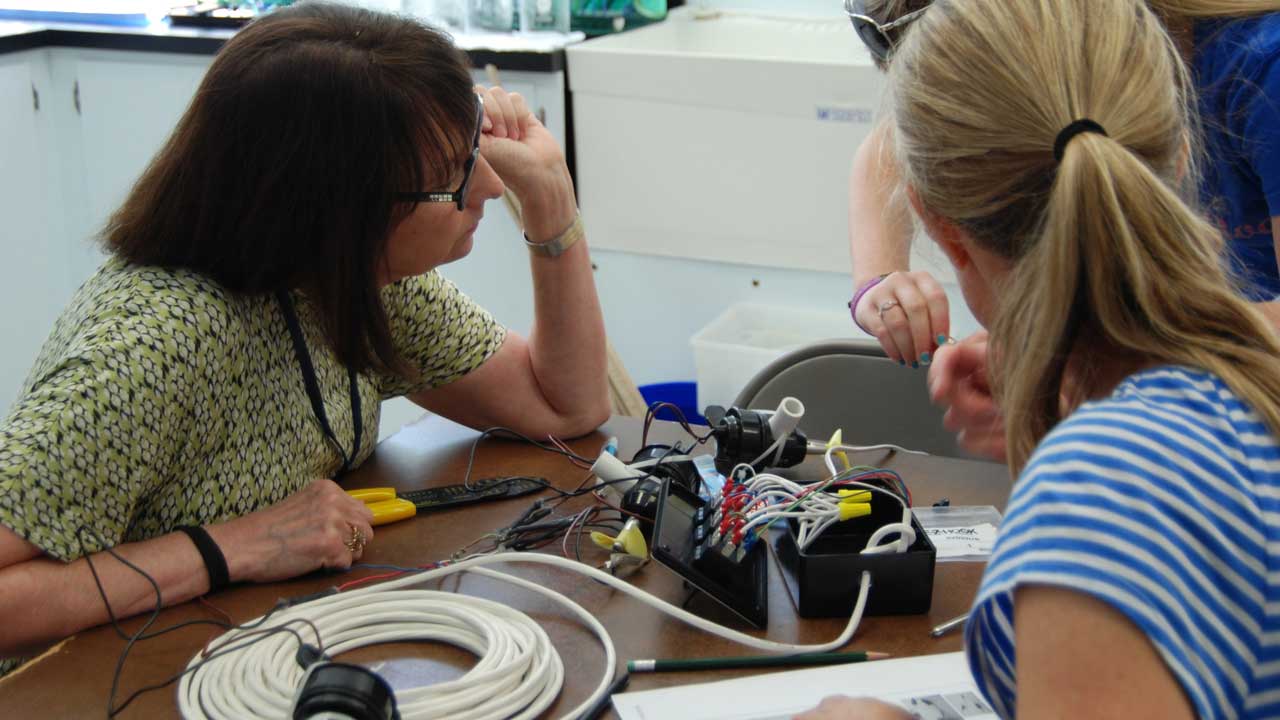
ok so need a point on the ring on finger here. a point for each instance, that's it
(886, 306)
(357, 540)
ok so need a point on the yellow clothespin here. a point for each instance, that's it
(383, 503)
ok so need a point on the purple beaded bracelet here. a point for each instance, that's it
(862, 290)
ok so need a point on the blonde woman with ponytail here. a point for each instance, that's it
(1233, 48)
(1134, 575)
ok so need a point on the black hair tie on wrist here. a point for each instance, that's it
(1083, 125)
(214, 561)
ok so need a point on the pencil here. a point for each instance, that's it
(729, 663)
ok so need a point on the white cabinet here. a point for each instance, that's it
(76, 129)
(121, 108)
(30, 252)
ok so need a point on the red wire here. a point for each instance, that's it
(352, 583)
(216, 609)
(562, 446)
(205, 650)
(382, 576)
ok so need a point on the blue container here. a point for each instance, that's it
(683, 395)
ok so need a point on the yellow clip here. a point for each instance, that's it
(383, 503)
(849, 511)
(837, 438)
(849, 495)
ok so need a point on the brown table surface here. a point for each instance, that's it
(74, 680)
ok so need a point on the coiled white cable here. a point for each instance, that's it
(519, 673)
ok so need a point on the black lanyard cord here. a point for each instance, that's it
(313, 386)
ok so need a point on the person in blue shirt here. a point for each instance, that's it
(1134, 574)
(1236, 62)
(1233, 47)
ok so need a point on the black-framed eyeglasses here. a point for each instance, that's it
(874, 35)
(459, 196)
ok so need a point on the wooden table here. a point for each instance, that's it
(73, 680)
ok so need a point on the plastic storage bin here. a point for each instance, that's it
(746, 337)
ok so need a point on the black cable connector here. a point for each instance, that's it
(309, 655)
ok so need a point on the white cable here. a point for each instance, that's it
(519, 673)
(875, 545)
(831, 465)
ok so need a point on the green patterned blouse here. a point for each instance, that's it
(161, 399)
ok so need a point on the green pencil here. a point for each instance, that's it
(729, 663)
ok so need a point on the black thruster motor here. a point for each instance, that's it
(743, 435)
(642, 498)
(337, 690)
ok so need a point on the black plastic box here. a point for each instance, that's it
(823, 580)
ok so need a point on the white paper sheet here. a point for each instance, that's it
(932, 687)
(973, 542)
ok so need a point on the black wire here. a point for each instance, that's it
(466, 476)
(142, 634)
(129, 639)
(260, 636)
(652, 413)
(577, 542)
(566, 494)
(509, 536)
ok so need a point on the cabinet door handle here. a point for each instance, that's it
(542, 115)
(35, 97)
(75, 96)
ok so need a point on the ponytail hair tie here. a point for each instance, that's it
(1083, 125)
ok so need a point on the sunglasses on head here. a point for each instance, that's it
(874, 35)
(459, 196)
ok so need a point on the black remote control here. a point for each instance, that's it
(499, 488)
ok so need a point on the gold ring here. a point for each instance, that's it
(886, 306)
(357, 541)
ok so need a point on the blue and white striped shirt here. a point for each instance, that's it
(1163, 501)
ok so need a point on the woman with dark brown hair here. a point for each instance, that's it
(271, 281)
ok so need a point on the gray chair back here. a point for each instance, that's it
(852, 384)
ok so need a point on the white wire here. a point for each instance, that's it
(831, 465)
(519, 673)
(778, 444)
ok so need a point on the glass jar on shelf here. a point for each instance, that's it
(544, 15)
(492, 15)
